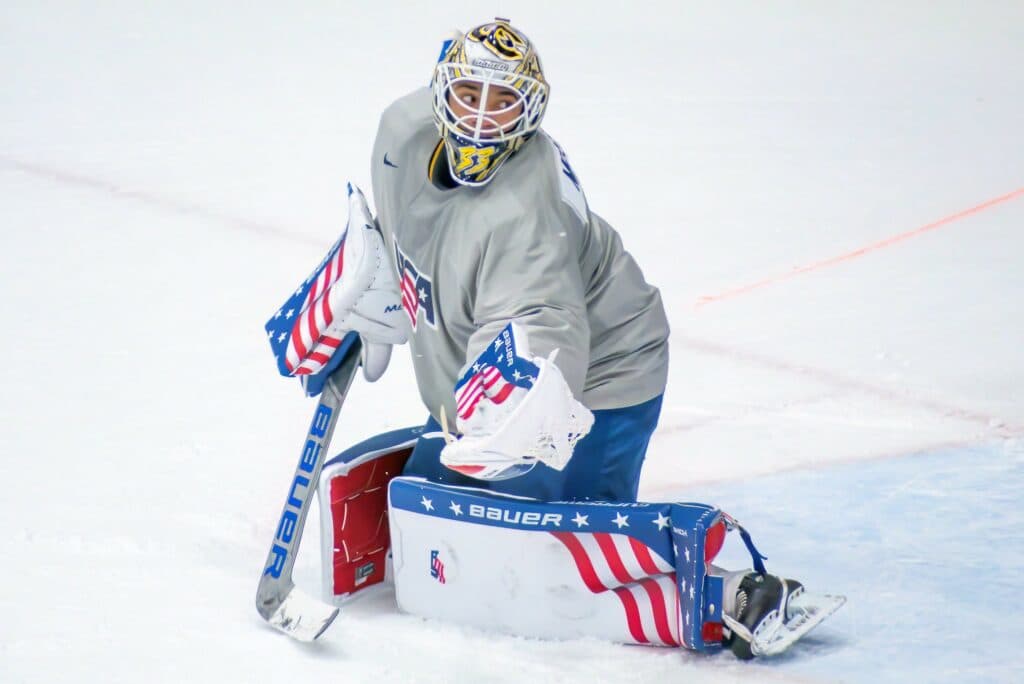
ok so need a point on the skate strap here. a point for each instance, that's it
(755, 555)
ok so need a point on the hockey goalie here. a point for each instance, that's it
(540, 353)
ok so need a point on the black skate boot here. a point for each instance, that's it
(763, 609)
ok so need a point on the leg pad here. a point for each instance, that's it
(355, 540)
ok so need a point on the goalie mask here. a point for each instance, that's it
(489, 99)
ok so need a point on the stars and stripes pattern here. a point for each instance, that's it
(486, 382)
(495, 374)
(643, 581)
(410, 296)
(417, 290)
(654, 559)
(299, 330)
(437, 567)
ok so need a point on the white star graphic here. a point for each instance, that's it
(682, 583)
(501, 357)
(291, 312)
(497, 344)
(280, 338)
(477, 367)
(270, 333)
(298, 292)
(278, 314)
(580, 519)
(621, 520)
(427, 504)
(687, 619)
(686, 552)
(423, 295)
(691, 592)
(516, 375)
(456, 508)
(662, 522)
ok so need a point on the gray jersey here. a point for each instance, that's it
(524, 247)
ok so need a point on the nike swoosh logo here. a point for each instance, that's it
(388, 162)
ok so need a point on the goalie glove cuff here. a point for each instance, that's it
(514, 410)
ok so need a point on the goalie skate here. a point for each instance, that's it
(773, 614)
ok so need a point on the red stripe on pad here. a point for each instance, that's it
(503, 394)
(636, 628)
(611, 554)
(466, 469)
(643, 557)
(657, 597)
(320, 358)
(583, 564)
(300, 348)
(325, 308)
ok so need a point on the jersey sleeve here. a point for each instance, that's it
(529, 273)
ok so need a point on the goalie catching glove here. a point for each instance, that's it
(352, 292)
(514, 411)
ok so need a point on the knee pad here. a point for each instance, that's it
(354, 535)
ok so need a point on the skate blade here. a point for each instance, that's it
(775, 636)
(810, 611)
(301, 616)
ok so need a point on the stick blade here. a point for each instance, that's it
(301, 616)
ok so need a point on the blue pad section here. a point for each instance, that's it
(384, 442)
(700, 598)
(314, 384)
(675, 532)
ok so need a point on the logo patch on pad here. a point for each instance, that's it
(436, 567)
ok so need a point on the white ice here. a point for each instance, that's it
(170, 170)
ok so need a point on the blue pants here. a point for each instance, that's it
(605, 465)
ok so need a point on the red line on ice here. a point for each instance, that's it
(165, 203)
(833, 379)
(888, 242)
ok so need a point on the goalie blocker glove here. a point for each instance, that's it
(514, 410)
(352, 291)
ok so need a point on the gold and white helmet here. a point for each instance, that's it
(489, 99)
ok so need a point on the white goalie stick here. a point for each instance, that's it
(278, 600)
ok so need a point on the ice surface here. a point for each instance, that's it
(928, 548)
(167, 171)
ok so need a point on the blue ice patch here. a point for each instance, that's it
(928, 549)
